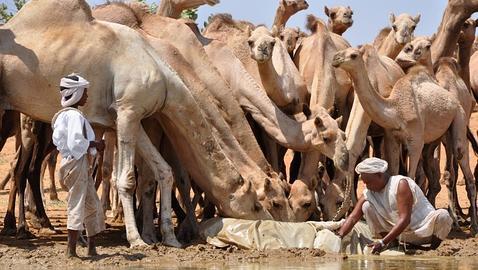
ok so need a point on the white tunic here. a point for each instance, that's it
(424, 221)
(69, 136)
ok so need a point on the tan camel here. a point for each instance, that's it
(286, 9)
(290, 38)
(390, 41)
(454, 16)
(274, 68)
(409, 112)
(340, 19)
(465, 47)
(173, 8)
(152, 86)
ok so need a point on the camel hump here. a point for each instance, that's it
(42, 13)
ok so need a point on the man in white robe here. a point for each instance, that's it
(395, 209)
(75, 140)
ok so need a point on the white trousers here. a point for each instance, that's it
(84, 206)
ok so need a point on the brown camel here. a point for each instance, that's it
(408, 114)
(340, 18)
(173, 8)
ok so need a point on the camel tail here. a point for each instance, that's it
(472, 140)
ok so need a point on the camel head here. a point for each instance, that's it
(467, 34)
(293, 6)
(272, 195)
(348, 59)
(403, 27)
(261, 44)
(302, 199)
(328, 138)
(416, 52)
(330, 197)
(289, 37)
(192, 4)
(340, 18)
(244, 203)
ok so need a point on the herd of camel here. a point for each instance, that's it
(216, 110)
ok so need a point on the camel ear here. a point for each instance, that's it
(476, 22)
(318, 122)
(311, 23)
(283, 2)
(248, 31)
(416, 19)
(246, 187)
(339, 120)
(391, 18)
(306, 110)
(433, 37)
(326, 10)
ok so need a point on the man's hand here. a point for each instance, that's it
(377, 247)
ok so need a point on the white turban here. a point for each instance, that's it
(74, 90)
(372, 165)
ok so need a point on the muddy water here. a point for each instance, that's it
(352, 263)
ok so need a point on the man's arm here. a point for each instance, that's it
(404, 205)
(352, 219)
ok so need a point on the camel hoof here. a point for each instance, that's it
(47, 231)
(138, 243)
(150, 239)
(172, 242)
(8, 231)
(474, 230)
(24, 234)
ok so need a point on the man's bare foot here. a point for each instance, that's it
(71, 253)
(435, 243)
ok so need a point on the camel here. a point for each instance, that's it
(286, 9)
(408, 114)
(272, 62)
(173, 8)
(290, 38)
(454, 16)
(153, 87)
(390, 41)
(465, 45)
(340, 19)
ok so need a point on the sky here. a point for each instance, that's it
(370, 16)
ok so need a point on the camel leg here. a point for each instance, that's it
(415, 152)
(450, 181)
(50, 164)
(392, 147)
(9, 222)
(128, 126)
(462, 155)
(5, 180)
(107, 168)
(431, 165)
(161, 171)
(146, 187)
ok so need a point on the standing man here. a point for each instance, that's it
(75, 140)
(395, 207)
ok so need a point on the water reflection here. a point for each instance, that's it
(375, 262)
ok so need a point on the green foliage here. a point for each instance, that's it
(191, 14)
(5, 15)
(152, 7)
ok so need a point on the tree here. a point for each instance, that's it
(5, 15)
(191, 14)
(152, 8)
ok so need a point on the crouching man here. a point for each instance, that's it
(395, 209)
(75, 140)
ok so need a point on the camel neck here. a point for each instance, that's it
(390, 47)
(376, 106)
(464, 55)
(167, 9)
(281, 18)
(272, 82)
(339, 30)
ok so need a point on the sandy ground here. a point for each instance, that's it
(48, 251)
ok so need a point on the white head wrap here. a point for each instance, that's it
(74, 90)
(372, 165)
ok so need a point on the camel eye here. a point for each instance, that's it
(408, 49)
(282, 37)
(306, 205)
(413, 27)
(251, 43)
(353, 56)
(257, 207)
(276, 204)
(394, 28)
(326, 139)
